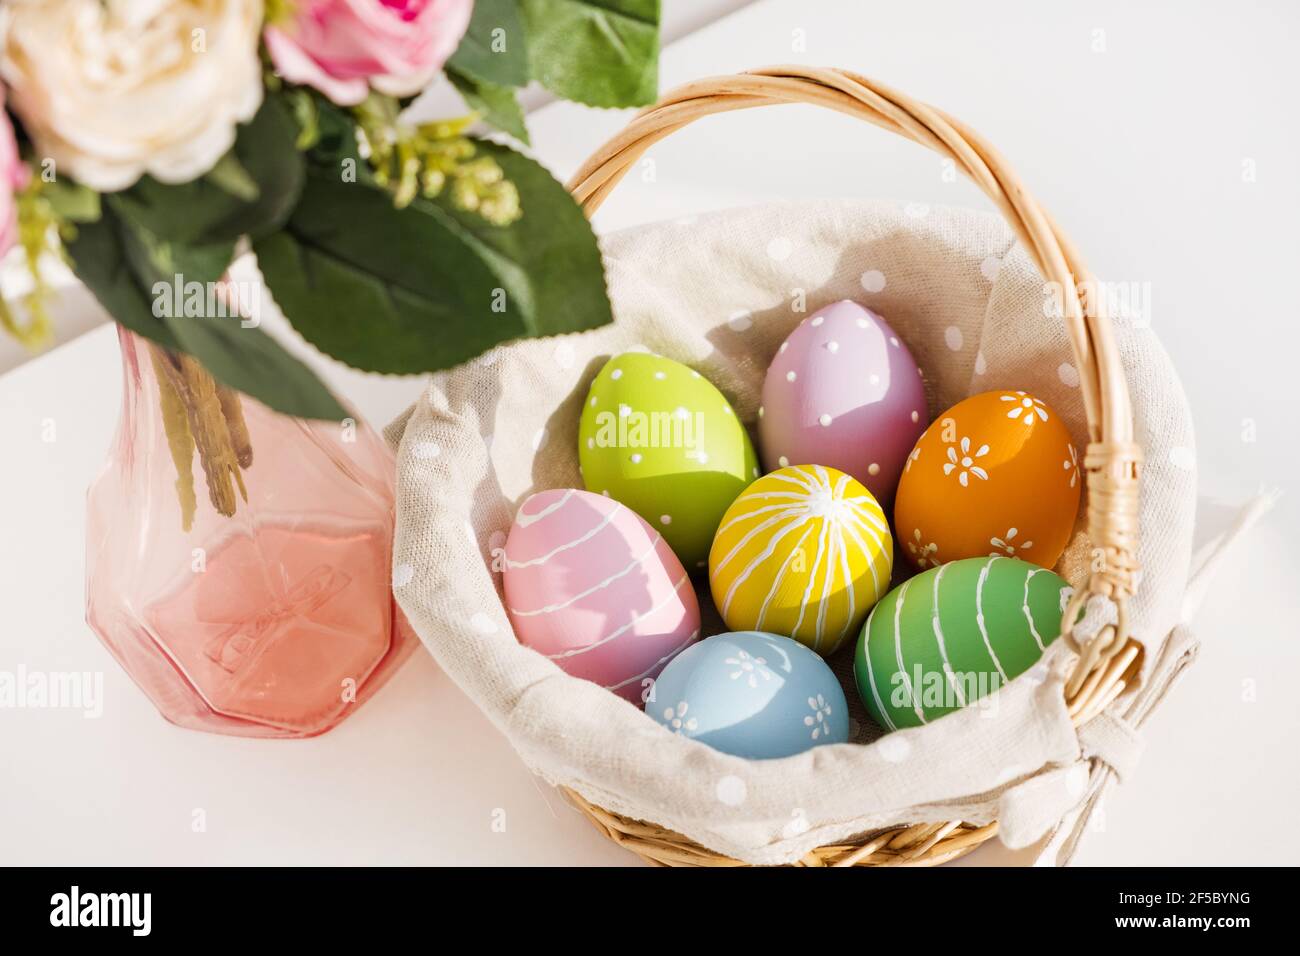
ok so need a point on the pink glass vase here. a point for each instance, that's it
(242, 580)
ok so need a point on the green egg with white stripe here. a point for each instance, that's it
(954, 634)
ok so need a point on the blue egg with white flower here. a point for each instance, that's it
(751, 694)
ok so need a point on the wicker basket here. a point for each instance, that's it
(1109, 659)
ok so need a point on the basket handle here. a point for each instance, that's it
(1112, 461)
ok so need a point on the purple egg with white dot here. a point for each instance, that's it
(843, 390)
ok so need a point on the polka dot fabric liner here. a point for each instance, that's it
(719, 293)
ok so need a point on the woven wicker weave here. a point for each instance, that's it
(1112, 461)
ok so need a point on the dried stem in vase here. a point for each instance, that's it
(212, 421)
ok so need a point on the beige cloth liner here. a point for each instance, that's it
(718, 292)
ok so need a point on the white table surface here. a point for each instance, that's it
(1137, 148)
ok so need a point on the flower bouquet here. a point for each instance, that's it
(148, 142)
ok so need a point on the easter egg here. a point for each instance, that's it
(752, 695)
(844, 391)
(597, 590)
(954, 634)
(804, 552)
(995, 474)
(658, 437)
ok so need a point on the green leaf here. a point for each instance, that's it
(429, 286)
(126, 267)
(302, 104)
(551, 249)
(70, 201)
(228, 175)
(336, 141)
(257, 365)
(101, 260)
(597, 52)
(251, 192)
(493, 49)
(496, 104)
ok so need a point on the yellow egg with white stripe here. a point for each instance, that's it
(804, 551)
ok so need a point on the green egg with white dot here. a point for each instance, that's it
(954, 635)
(658, 437)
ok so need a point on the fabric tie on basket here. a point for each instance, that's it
(1112, 740)
(719, 293)
(1111, 743)
(1112, 737)
(1026, 813)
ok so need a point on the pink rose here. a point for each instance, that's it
(341, 47)
(13, 177)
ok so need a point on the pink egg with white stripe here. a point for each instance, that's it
(591, 585)
(844, 391)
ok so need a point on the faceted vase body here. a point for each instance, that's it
(262, 608)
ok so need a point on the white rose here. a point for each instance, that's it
(113, 89)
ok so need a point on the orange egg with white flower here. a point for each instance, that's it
(995, 474)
